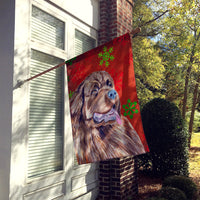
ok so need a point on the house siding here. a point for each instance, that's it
(72, 182)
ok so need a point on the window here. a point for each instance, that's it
(83, 43)
(46, 109)
(46, 28)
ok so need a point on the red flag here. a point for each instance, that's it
(105, 113)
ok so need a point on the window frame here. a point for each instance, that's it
(59, 183)
(51, 51)
(68, 52)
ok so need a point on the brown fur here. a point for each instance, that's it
(100, 141)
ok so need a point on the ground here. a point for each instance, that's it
(149, 186)
(194, 162)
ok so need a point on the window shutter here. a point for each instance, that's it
(45, 141)
(46, 28)
(83, 43)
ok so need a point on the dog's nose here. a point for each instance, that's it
(112, 94)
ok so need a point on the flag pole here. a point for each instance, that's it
(134, 32)
(20, 83)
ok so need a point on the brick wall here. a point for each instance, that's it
(115, 19)
(117, 177)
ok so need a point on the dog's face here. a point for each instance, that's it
(95, 114)
(100, 101)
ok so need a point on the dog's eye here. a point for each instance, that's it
(108, 83)
(95, 91)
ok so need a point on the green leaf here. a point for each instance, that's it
(104, 48)
(136, 111)
(111, 50)
(101, 62)
(112, 58)
(107, 63)
(70, 94)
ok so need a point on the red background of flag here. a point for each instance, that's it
(120, 68)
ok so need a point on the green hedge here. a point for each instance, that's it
(167, 138)
(183, 183)
(171, 193)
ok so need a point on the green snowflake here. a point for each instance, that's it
(106, 56)
(69, 62)
(70, 94)
(130, 108)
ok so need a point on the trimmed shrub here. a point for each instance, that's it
(171, 193)
(167, 138)
(183, 183)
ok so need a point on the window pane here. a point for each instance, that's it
(47, 29)
(83, 43)
(45, 141)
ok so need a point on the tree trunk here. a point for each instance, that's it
(185, 91)
(198, 99)
(188, 74)
(193, 109)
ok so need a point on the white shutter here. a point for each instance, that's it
(83, 43)
(45, 141)
(47, 29)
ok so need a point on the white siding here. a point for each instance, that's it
(86, 10)
(63, 184)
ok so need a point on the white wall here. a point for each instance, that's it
(86, 10)
(14, 55)
(6, 87)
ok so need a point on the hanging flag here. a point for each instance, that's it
(105, 113)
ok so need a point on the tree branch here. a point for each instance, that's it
(150, 21)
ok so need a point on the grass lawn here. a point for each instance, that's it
(194, 160)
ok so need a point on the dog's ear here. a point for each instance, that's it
(76, 104)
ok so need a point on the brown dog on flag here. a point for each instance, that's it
(99, 130)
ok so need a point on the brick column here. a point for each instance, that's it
(115, 19)
(117, 177)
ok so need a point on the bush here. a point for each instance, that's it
(167, 138)
(171, 193)
(183, 183)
